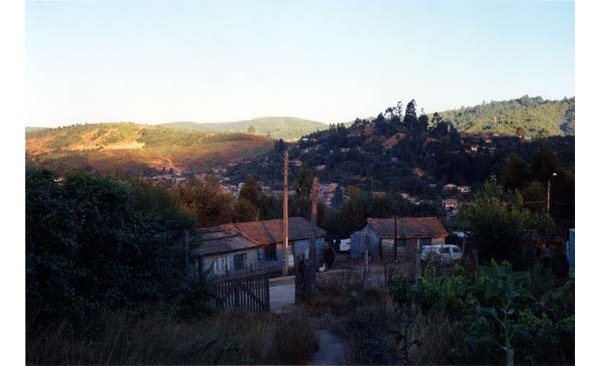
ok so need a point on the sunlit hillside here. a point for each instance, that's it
(135, 149)
(287, 128)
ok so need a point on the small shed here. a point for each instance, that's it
(361, 241)
(411, 233)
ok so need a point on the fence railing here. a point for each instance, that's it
(247, 292)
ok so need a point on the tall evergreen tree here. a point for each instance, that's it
(410, 118)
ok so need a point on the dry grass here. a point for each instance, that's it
(225, 338)
(437, 336)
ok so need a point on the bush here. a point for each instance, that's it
(490, 312)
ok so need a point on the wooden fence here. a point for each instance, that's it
(248, 292)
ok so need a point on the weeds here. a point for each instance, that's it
(125, 338)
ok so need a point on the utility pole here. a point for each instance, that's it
(418, 262)
(187, 246)
(395, 238)
(285, 213)
(312, 250)
(548, 192)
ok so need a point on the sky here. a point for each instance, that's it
(329, 61)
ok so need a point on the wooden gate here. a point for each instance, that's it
(247, 292)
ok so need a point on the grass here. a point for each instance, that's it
(157, 338)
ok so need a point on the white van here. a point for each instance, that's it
(443, 252)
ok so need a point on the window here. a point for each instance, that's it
(445, 250)
(271, 252)
(239, 261)
(220, 265)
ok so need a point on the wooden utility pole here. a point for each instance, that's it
(395, 238)
(187, 247)
(418, 262)
(312, 250)
(285, 213)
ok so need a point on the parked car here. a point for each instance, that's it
(444, 252)
(345, 245)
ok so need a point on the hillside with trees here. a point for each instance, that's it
(287, 128)
(525, 116)
(403, 153)
(129, 149)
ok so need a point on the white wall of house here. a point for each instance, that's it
(225, 262)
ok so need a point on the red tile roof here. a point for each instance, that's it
(409, 227)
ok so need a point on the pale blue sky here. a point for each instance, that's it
(330, 61)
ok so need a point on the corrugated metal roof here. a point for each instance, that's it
(409, 227)
(219, 239)
(232, 237)
(271, 231)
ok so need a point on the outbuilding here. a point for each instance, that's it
(410, 232)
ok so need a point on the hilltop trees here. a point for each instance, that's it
(410, 118)
(536, 117)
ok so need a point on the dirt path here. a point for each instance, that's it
(282, 294)
(331, 349)
(283, 297)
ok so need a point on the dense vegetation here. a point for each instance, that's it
(94, 243)
(132, 150)
(287, 128)
(526, 116)
(494, 315)
(398, 152)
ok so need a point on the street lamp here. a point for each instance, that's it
(548, 199)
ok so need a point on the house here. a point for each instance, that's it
(296, 163)
(411, 232)
(464, 189)
(449, 187)
(222, 250)
(255, 245)
(450, 203)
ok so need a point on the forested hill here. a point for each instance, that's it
(287, 128)
(128, 149)
(402, 151)
(535, 116)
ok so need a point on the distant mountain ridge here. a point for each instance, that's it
(287, 128)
